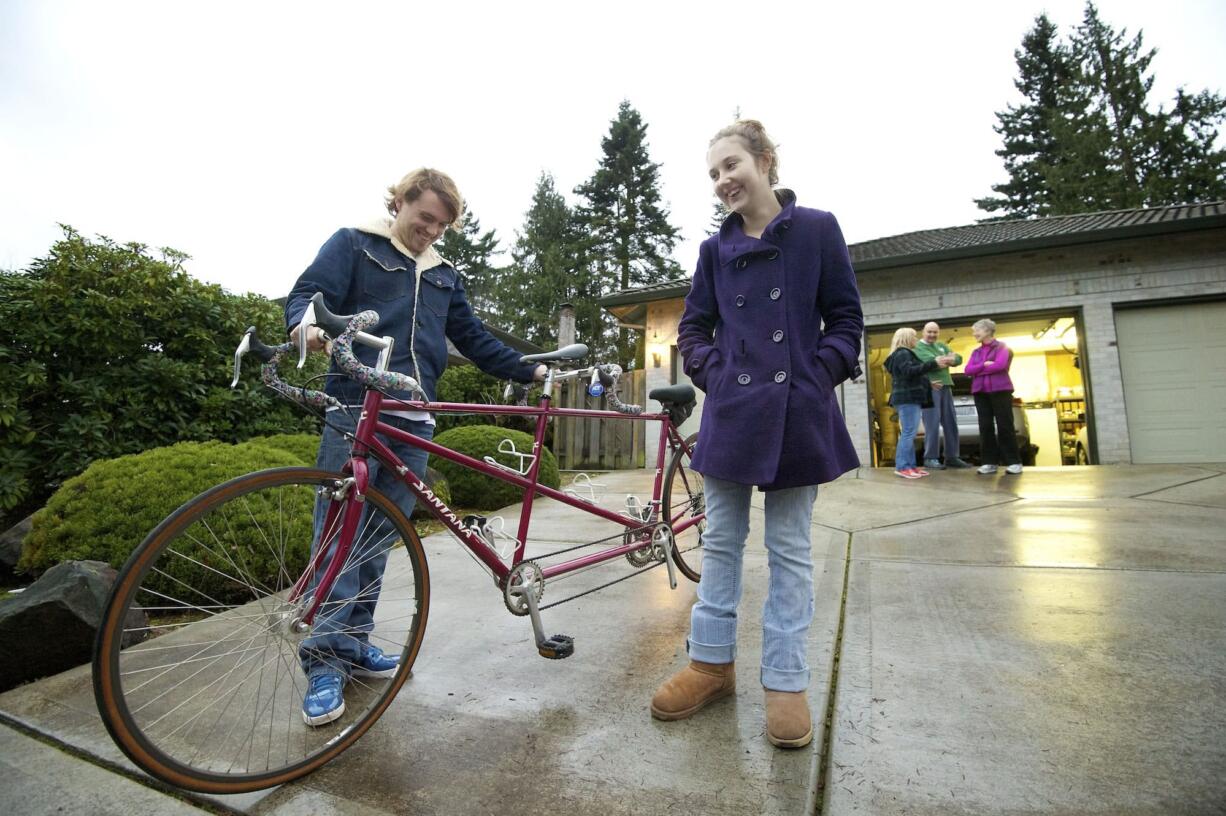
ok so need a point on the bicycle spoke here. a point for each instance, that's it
(271, 550)
(215, 682)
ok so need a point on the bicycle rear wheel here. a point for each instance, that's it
(197, 667)
(683, 500)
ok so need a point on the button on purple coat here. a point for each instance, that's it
(770, 417)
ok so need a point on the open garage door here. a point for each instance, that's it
(1050, 403)
(1173, 361)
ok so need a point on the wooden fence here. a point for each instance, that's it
(581, 443)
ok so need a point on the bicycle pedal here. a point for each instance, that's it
(557, 647)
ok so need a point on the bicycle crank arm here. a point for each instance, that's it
(554, 648)
(666, 545)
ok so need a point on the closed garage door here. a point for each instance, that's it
(1173, 359)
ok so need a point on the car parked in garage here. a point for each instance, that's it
(968, 425)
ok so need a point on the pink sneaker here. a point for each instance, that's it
(908, 473)
(919, 471)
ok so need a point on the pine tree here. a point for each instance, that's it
(630, 240)
(471, 251)
(1030, 147)
(550, 267)
(1190, 168)
(718, 213)
(1112, 69)
(1087, 139)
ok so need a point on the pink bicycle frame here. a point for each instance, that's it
(367, 443)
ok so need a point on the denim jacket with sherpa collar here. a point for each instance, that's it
(420, 300)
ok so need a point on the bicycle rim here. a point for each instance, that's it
(684, 499)
(198, 670)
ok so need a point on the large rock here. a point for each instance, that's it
(50, 627)
(10, 546)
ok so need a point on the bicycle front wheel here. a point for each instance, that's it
(199, 666)
(684, 499)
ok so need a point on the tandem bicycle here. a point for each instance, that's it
(196, 667)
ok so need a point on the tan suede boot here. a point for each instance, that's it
(692, 688)
(788, 724)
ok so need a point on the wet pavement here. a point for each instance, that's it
(1048, 643)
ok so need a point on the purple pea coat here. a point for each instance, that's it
(771, 326)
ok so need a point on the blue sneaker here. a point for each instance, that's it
(324, 702)
(373, 663)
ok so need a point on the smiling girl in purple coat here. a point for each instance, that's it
(772, 324)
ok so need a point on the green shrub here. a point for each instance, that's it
(467, 383)
(475, 490)
(302, 446)
(109, 349)
(105, 512)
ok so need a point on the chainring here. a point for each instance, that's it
(525, 572)
(645, 554)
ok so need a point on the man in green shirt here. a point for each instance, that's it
(941, 414)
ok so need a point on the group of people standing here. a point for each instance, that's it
(923, 386)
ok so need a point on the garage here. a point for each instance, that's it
(1050, 402)
(1173, 365)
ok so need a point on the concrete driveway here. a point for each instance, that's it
(1050, 643)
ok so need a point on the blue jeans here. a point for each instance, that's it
(908, 422)
(941, 417)
(342, 627)
(789, 596)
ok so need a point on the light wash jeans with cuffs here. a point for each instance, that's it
(789, 597)
(341, 630)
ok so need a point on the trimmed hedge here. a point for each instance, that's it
(474, 490)
(106, 512)
(302, 446)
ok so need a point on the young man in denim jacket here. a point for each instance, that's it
(389, 266)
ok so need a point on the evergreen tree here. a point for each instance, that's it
(1086, 137)
(718, 213)
(1030, 147)
(1112, 70)
(471, 251)
(630, 240)
(550, 267)
(1190, 168)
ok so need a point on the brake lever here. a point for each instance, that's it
(307, 321)
(514, 391)
(596, 386)
(243, 347)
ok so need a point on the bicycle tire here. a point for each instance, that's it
(202, 646)
(684, 497)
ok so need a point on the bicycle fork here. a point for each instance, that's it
(349, 513)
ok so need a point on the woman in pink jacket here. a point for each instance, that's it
(988, 368)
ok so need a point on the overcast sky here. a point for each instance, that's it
(245, 133)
